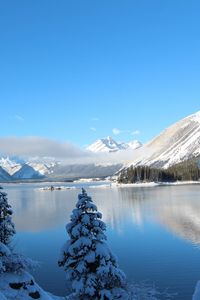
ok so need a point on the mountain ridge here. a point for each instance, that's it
(175, 144)
(108, 144)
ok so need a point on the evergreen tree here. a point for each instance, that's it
(89, 263)
(7, 228)
(9, 260)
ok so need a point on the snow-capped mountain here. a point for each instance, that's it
(179, 142)
(27, 172)
(10, 166)
(42, 168)
(15, 166)
(4, 176)
(110, 145)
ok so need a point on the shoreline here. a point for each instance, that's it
(153, 184)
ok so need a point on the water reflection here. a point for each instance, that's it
(142, 223)
(36, 210)
(176, 208)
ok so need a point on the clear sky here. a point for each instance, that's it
(75, 70)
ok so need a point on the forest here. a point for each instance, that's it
(185, 171)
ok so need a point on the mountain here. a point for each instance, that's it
(179, 142)
(42, 168)
(83, 171)
(110, 145)
(27, 172)
(10, 166)
(4, 176)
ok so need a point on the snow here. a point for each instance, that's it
(142, 184)
(102, 186)
(153, 184)
(9, 165)
(177, 143)
(89, 263)
(41, 168)
(195, 117)
(110, 145)
(22, 286)
(26, 169)
(26, 172)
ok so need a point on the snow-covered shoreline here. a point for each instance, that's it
(109, 184)
(154, 184)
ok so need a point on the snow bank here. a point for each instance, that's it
(142, 184)
(102, 186)
(23, 287)
(153, 184)
(180, 183)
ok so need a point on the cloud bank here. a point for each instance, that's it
(39, 147)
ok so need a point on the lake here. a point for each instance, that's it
(154, 231)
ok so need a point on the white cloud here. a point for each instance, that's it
(19, 118)
(93, 129)
(135, 132)
(116, 131)
(95, 119)
(38, 146)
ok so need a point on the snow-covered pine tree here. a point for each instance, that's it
(10, 261)
(89, 263)
(7, 228)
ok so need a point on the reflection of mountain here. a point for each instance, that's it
(183, 219)
(176, 208)
(36, 210)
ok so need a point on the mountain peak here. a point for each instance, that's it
(108, 144)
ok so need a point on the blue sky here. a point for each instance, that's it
(74, 70)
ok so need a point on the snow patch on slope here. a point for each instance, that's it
(9, 166)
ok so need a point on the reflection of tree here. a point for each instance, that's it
(177, 208)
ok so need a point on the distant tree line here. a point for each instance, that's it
(187, 170)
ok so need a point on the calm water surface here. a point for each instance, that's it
(154, 231)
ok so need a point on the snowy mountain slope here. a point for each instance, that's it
(83, 171)
(9, 165)
(42, 168)
(15, 167)
(27, 172)
(177, 143)
(4, 176)
(110, 145)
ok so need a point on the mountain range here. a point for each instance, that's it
(179, 142)
(110, 145)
